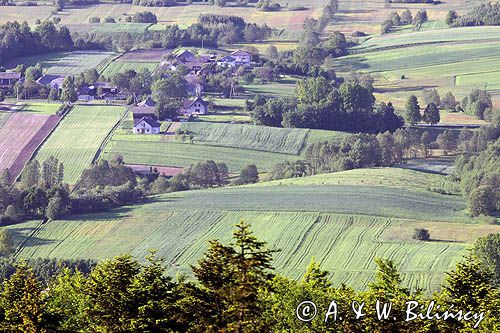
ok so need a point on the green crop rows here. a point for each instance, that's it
(78, 137)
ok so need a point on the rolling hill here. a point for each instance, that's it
(303, 217)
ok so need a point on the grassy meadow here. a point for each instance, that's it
(303, 218)
(78, 137)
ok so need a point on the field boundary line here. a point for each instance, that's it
(102, 66)
(35, 231)
(104, 142)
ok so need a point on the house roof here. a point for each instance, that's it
(58, 81)
(185, 54)
(227, 59)
(240, 53)
(48, 78)
(148, 102)
(193, 79)
(10, 75)
(189, 102)
(148, 120)
(141, 111)
(105, 85)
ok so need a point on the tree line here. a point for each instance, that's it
(483, 14)
(317, 103)
(235, 289)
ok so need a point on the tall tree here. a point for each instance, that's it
(68, 92)
(431, 114)
(412, 111)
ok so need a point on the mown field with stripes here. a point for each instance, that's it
(302, 220)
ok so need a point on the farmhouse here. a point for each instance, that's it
(242, 58)
(146, 125)
(8, 78)
(194, 106)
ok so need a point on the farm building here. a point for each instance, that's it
(242, 58)
(146, 125)
(186, 56)
(140, 112)
(194, 106)
(54, 81)
(8, 78)
(227, 61)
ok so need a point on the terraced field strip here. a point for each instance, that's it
(17, 143)
(79, 136)
(473, 34)
(67, 63)
(185, 154)
(270, 139)
(187, 15)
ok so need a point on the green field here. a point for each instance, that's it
(235, 144)
(303, 219)
(67, 63)
(114, 28)
(276, 140)
(185, 154)
(475, 34)
(78, 137)
(455, 60)
(41, 108)
(123, 66)
(283, 87)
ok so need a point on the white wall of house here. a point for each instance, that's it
(144, 128)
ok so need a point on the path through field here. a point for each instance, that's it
(19, 138)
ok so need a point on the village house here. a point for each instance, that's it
(195, 106)
(227, 61)
(53, 81)
(146, 125)
(8, 78)
(242, 58)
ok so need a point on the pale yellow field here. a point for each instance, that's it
(21, 13)
(185, 15)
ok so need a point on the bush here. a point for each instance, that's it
(422, 234)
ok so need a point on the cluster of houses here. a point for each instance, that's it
(98, 90)
(145, 118)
